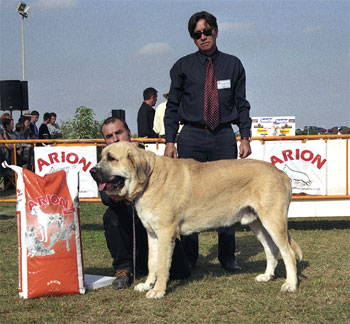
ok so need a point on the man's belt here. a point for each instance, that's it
(201, 126)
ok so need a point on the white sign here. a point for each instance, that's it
(273, 126)
(52, 158)
(304, 163)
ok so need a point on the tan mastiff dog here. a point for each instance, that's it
(183, 196)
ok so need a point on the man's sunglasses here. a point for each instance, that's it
(206, 32)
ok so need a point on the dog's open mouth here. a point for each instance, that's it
(115, 182)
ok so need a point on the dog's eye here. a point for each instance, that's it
(110, 158)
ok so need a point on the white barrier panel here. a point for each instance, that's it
(304, 163)
(52, 158)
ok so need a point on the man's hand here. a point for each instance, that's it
(119, 198)
(244, 148)
(170, 150)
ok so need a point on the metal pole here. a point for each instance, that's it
(23, 66)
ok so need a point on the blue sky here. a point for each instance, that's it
(103, 54)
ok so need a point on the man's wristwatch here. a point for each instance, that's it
(246, 138)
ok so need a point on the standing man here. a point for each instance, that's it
(118, 226)
(44, 132)
(158, 123)
(53, 127)
(145, 116)
(207, 94)
(33, 127)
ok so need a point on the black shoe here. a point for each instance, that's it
(122, 280)
(231, 265)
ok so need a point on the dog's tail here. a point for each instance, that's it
(296, 248)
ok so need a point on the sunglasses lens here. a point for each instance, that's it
(207, 32)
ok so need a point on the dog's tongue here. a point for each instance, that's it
(101, 186)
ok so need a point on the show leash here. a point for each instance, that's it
(133, 241)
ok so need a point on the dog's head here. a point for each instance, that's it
(34, 210)
(123, 170)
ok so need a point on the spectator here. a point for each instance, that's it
(53, 127)
(43, 130)
(2, 130)
(33, 127)
(145, 116)
(9, 134)
(158, 124)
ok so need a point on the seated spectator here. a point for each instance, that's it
(2, 118)
(4, 154)
(25, 120)
(23, 149)
(28, 149)
(53, 127)
(9, 134)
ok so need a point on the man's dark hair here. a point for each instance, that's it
(19, 127)
(148, 93)
(47, 116)
(208, 17)
(6, 122)
(35, 113)
(111, 120)
(53, 115)
(22, 119)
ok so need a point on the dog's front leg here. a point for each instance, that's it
(166, 243)
(152, 264)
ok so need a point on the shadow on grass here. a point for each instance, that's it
(248, 247)
(309, 225)
(92, 227)
(5, 217)
(100, 271)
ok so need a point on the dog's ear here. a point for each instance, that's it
(142, 161)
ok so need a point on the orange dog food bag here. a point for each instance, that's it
(50, 251)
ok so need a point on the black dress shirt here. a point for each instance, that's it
(145, 118)
(186, 96)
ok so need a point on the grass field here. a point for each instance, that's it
(211, 295)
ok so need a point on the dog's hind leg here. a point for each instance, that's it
(166, 243)
(277, 228)
(270, 248)
(152, 264)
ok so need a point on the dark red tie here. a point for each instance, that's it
(211, 97)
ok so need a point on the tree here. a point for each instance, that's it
(82, 126)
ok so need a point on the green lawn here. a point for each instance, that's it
(211, 295)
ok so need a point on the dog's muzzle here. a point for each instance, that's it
(106, 182)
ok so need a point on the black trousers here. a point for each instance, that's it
(117, 222)
(204, 145)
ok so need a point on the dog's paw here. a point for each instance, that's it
(263, 278)
(142, 287)
(155, 294)
(288, 287)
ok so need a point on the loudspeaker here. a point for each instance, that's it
(13, 95)
(24, 94)
(118, 113)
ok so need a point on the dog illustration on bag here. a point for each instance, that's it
(45, 220)
(63, 235)
(34, 245)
